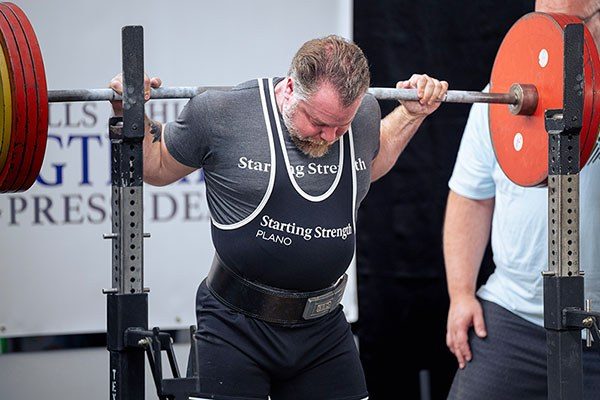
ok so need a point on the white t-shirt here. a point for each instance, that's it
(520, 223)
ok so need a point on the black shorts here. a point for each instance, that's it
(240, 357)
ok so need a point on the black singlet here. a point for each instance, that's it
(293, 240)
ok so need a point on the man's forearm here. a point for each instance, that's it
(397, 128)
(466, 233)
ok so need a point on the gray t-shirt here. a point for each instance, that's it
(224, 133)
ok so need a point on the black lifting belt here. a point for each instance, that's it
(268, 303)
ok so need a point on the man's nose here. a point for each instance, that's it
(329, 133)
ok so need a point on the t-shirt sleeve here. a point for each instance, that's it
(370, 109)
(472, 175)
(187, 138)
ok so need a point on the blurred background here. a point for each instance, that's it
(54, 263)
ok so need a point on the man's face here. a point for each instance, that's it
(317, 122)
(587, 10)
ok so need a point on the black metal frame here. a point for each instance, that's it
(564, 314)
(128, 337)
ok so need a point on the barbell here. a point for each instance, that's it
(527, 79)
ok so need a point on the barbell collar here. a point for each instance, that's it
(452, 96)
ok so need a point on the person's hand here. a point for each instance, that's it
(429, 89)
(465, 312)
(116, 84)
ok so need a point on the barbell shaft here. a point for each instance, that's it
(73, 95)
(452, 96)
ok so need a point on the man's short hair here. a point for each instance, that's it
(334, 60)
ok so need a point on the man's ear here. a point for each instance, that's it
(289, 88)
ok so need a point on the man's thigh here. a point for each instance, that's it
(510, 363)
(229, 367)
(335, 374)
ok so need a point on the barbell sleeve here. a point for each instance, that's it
(452, 96)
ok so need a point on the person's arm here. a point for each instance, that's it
(466, 233)
(160, 167)
(399, 126)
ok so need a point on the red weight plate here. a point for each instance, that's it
(533, 53)
(19, 112)
(42, 96)
(30, 114)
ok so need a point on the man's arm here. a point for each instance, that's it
(466, 233)
(160, 167)
(398, 127)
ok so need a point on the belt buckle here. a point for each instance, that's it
(325, 303)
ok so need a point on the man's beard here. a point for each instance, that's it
(311, 147)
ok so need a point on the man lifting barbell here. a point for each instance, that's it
(269, 320)
(268, 315)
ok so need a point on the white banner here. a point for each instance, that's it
(53, 260)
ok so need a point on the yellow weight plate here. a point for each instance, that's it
(5, 113)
